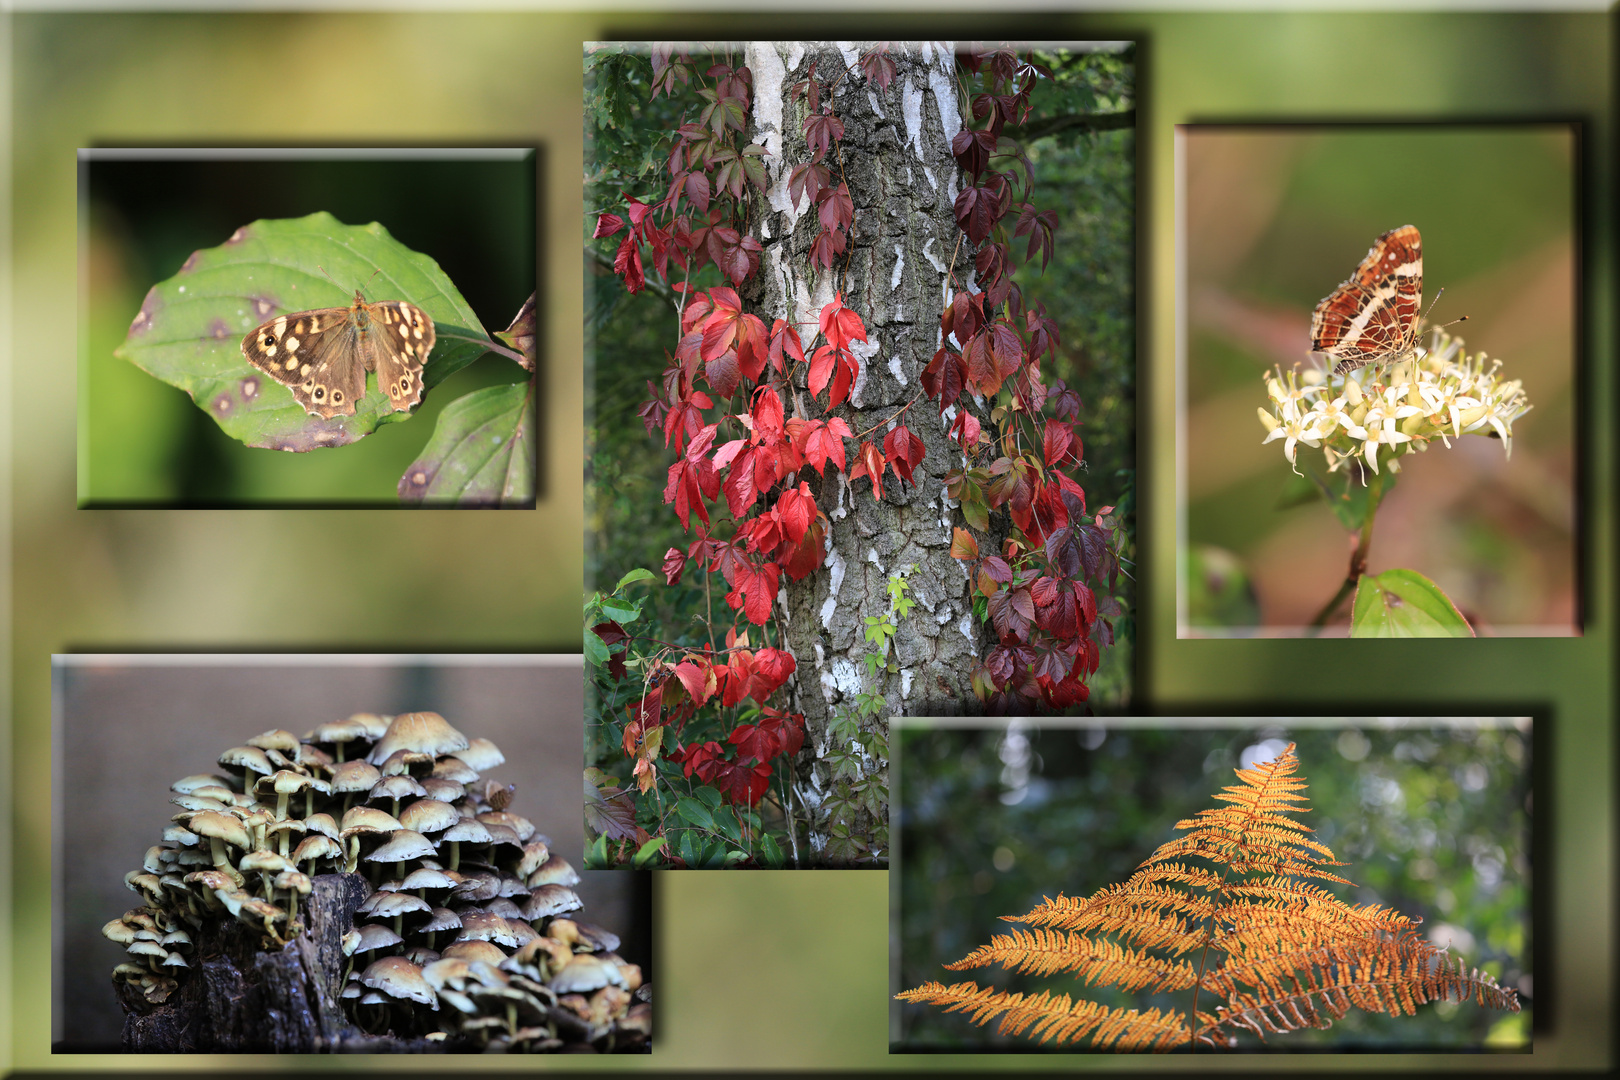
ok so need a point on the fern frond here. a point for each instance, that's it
(1391, 976)
(1148, 916)
(1282, 951)
(1100, 962)
(1055, 1017)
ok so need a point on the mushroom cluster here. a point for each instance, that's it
(463, 936)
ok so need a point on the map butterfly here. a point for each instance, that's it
(1373, 317)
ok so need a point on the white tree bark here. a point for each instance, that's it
(896, 159)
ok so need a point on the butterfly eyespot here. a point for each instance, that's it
(337, 397)
(320, 392)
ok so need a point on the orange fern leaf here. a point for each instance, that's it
(1279, 951)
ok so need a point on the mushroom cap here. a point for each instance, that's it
(322, 823)
(426, 877)
(402, 844)
(467, 831)
(118, 930)
(374, 936)
(520, 826)
(398, 977)
(556, 870)
(481, 754)
(187, 785)
(585, 973)
(179, 834)
(245, 759)
(395, 787)
(535, 854)
(442, 972)
(291, 824)
(443, 919)
(551, 900)
(428, 815)
(294, 879)
(437, 787)
(336, 731)
(402, 761)
(423, 732)
(199, 802)
(485, 926)
(388, 905)
(356, 775)
(367, 819)
(504, 907)
(318, 846)
(276, 739)
(455, 770)
(372, 724)
(469, 951)
(217, 825)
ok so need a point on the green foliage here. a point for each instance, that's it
(688, 817)
(1404, 603)
(481, 453)
(1434, 822)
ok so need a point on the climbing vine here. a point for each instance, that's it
(746, 405)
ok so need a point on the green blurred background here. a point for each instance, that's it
(1276, 218)
(761, 970)
(143, 442)
(1433, 821)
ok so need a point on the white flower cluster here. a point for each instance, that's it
(1438, 392)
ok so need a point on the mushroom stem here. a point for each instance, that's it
(455, 854)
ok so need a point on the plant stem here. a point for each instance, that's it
(1358, 557)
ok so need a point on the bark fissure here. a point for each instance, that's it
(896, 159)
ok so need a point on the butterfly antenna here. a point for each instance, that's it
(1436, 300)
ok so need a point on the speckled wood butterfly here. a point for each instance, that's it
(322, 356)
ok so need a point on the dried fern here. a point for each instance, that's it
(1230, 912)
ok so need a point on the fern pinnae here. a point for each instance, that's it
(1282, 951)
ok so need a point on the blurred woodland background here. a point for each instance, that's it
(1432, 821)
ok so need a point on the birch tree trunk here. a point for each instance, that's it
(896, 159)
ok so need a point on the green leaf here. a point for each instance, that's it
(710, 796)
(596, 650)
(638, 574)
(596, 855)
(726, 821)
(735, 857)
(694, 812)
(648, 852)
(621, 611)
(771, 853)
(481, 452)
(190, 327)
(1404, 603)
(689, 847)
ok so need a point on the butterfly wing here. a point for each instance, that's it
(1374, 315)
(396, 343)
(314, 355)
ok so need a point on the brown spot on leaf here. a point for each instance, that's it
(239, 235)
(223, 404)
(414, 484)
(149, 309)
(190, 263)
(250, 388)
(262, 306)
(219, 329)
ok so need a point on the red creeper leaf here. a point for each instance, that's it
(904, 451)
(869, 463)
